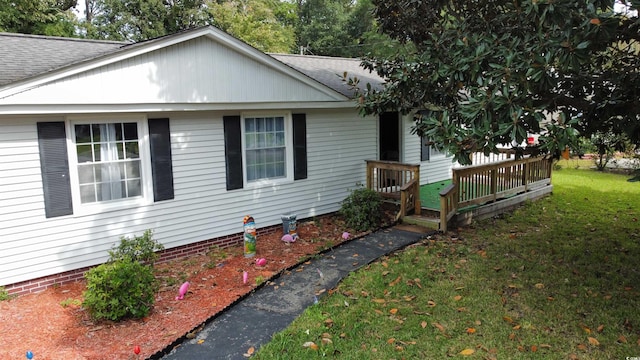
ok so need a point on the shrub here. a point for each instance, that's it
(140, 248)
(125, 286)
(362, 209)
(120, 289)
(4, 294)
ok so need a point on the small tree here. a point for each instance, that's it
(606, 145)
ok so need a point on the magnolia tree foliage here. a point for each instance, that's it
(487, 72)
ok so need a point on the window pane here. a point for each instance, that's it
(133, 188)
(269, 124)
(83, 134)
(120, 147)
(117, 130)
(96, 153)
(250, 141)
(84, 153)
(280, 139)
(260, 125)
(87, 194)
(130, 131)
(279, 124)
(85, 174)
(260, 141)
(133, 169)
(251, 172)
(132, 151)
(96, 133)
(249, 125)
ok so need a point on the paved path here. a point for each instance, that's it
(252, 321)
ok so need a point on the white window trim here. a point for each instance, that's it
(288, 141)
(80, 209)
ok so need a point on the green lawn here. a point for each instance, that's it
(558, 278)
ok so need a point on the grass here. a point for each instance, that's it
(557, 278)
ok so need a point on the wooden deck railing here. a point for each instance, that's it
(477, 185)
(394, 180)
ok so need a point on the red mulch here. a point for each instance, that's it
(53, 325)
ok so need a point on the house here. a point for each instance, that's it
(184, 134)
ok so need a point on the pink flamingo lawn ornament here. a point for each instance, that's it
(245, 277)
(183, 290)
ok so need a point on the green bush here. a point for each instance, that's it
(125, 286)
(4, 294)
(140, 248)
(362, 209)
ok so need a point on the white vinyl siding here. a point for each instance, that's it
(181, 73)
(439, 166)
(338, 142)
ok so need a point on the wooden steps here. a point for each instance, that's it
(425, 221)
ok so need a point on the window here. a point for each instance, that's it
(427, 150)
(108, 161)
(265, 148)
(95, 164)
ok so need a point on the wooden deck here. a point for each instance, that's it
(471, 187)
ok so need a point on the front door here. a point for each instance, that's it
(389, 136)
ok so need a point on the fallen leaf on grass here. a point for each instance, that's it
(534, 348)
(593, 341)
(507, 319)
(600, 328)
(250, 351)
(539, 286)
(467, 352)
(423, 324)
(379, 301)
(457, 297)
(586, 329)
(391, 341)
(582, 347)
(431, 303)
(440, 328)
(471, 330)
(396, 281)
(311, 345)
(622, 339)
(393, 311)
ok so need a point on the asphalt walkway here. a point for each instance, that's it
(252, 321)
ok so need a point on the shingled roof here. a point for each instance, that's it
(25, 56)
(330, 71)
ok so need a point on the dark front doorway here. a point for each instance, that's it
(390, 136)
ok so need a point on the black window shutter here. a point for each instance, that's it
(425, 149)
(54, 164)
(299, 146)
(233, 151)
(161, 164)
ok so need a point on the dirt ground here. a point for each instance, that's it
(53, 325)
